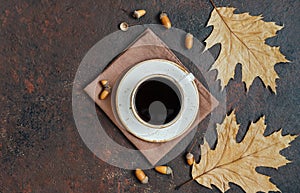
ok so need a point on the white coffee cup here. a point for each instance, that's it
(141, 102)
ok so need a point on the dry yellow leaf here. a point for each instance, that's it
(242, 38)
(236, 162)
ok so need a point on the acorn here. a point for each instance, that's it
(141, 176)
(164, 170)
(106, 89)
(104, 82)
(165, 20)
(124, 26)
(190, 158)
(104, 93)
(139, 13)
(189, 41)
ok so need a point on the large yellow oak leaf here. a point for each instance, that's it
(242, 38)
(236, 162)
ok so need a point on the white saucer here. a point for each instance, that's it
(126, 88)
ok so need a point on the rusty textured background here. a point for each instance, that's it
(41, 45)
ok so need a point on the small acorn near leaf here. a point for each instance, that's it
(189, 40)
(190, 158)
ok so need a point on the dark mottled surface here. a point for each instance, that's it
(41, 45)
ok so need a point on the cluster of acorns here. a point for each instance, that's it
(165, 22)
(141, 176)
(106, 88)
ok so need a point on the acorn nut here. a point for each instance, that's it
(190, 158)
(164, 170)
(106, 89)
(104, 94)
(139, 13)
(104, 82)
(189, 41)
(165, 20)
(141, 176)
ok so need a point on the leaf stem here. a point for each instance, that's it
(213, 4)
(192, 146)
(179, 186)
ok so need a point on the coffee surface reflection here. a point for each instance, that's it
(156, 102)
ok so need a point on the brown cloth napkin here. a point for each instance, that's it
(147, 46)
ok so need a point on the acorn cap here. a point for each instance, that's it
(124, 26)
(145, 180)
(189, 156)
(163, 14)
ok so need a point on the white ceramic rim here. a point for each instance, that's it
(189, 100)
